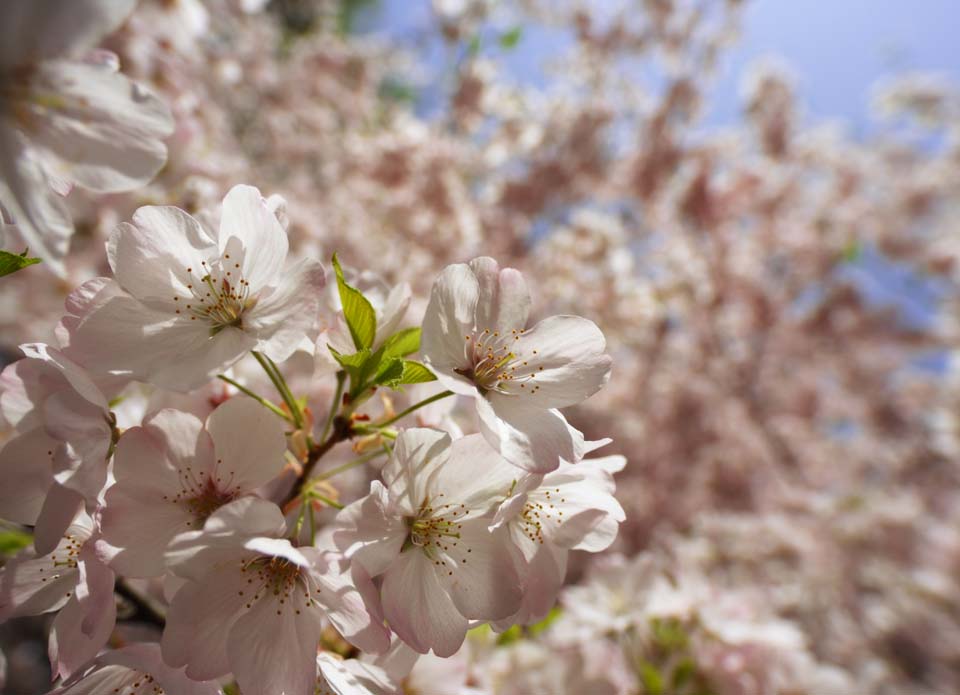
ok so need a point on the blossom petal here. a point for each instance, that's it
(417, 452)
(27, 471)
(526, 435)
(563, 362)
(37, 29)
(249, 442)
(273, 648)
(40, 214)
(289, 311)
(418, 609)
(264, 245)
(368, 533)
(199, 620)
(71, 647)
(158, 256)
(483, 572)
(448, 320)
(107, 134)
(503, 303)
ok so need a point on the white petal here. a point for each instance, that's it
(560, 362)
(349, 599)
(249, 442)
(60, 508)
(418, 609)
(140, 523)
(352, 677)
(162, 252)
(105, 131)
(272, 649)
(449, 319)
(417, 453)
(26, 467)
(474, 475)
(246, 218)
(482, 572)
(369, 533)
(288, 313)
(76, 375)
(504, 301)
(41, 215)
(526, 435)
(199, 620)
(70, 646)
(36, 29)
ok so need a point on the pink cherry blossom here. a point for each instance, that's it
(475, 338)
(426, 530)
(173, 472)
(187, 302)
(254, 605)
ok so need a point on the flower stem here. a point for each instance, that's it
(335, 405)
(414, 407)
(281, 385)
(347, 466)
(260, 399)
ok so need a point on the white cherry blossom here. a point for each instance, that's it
(187, 303)
(68, 117)
(254, 605)
(172, 473)
(336, 676)
(426, 530)
(572, 508)
(134, 670)
(63, 438)
(71, 580)
(475, 339)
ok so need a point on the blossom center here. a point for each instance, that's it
(494, 363)
(201, 496)
(279, 579)
(220, 296)
(138, 684)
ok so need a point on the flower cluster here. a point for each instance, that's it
(780, 295)
(206, 523)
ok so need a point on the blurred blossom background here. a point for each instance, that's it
(757, 201)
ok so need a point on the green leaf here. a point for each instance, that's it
(415, 373)
(683, 673)
(511, 38)
(13, 541)
(390, 372)
(354, 364)
(357, 309)
(404, 343)
(651, 679)
(11, 262)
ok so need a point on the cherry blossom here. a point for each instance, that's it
(426, 530)
(64, 437)
(67, 116)
(351, 677)
(254, 605)
(572, 508)
(173, 472)
(134, 670)
(71, 580)
(475, 338)
(187, 302)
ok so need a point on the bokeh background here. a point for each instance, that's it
(759, 203)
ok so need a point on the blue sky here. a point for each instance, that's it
(836, 48)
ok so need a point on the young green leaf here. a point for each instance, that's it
(403, 343)
(357, 309)
(416, 373)
(12, 262)
(13, 541)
